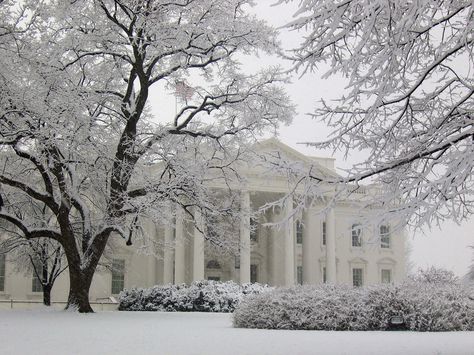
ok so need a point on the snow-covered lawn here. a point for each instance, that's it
(58, 332)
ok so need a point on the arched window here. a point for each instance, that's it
(213, 264)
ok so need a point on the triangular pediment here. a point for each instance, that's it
(275, 146)
(275, 149)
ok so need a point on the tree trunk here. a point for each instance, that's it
(79, 285)
(47, 295)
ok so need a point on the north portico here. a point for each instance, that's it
(325, 241)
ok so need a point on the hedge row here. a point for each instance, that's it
(200, 296)
(421, 307)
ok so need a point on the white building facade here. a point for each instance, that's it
(321, 243)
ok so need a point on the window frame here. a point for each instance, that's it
(36, 284)
(237, 262)
(323, 233)
(118, 276)
(253, 230)
(253, 273)
(356, 227)
(390, 277)
(299, 233)
(299, 274)
(385, 236)
(3, 265)
(354, 269)
(214, 264)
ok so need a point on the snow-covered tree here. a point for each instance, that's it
(77, 134)
(42, 258)
(409, 100)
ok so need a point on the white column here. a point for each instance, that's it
(311, 231)
(179, 256)
(168, 255)
(198, 247)
(152, 262)
(331, 247)
(289, 245)
(245, 237)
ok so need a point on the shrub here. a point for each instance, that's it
(200, 296)
(423, 307)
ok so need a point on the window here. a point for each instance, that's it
(253, 230)
(386, 276)
(213, 264)
(299, 232)
(253, 273)
(356, 232)
(118, 275)
(213, 278)
(36, 285)
(2, 272)
(299, 275)
(384, 236)
(324, 233)
(324, 274)
(357, 277)
(237, 261)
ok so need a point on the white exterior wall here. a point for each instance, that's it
(269, 253)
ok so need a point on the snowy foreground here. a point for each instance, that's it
(59, 332)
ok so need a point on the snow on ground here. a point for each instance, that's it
(59, 332)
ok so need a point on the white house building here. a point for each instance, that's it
(282, 248)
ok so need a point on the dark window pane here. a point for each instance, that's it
(253, 273)
(118, 275)
(299, 232)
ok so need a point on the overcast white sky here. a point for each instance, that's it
(447, 246)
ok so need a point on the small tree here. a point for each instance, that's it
(45, 259)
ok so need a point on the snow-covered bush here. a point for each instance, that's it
(200, 296)
(422, 307)
(302, 307)
(434, 275)
(380, 304)
(439, 307)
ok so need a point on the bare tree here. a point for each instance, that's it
(76, 131)
(43, 258)
(409, 101)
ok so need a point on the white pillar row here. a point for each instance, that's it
(198, 247)
(289, 245)
(245, 237)
(179, 250)
(331, 247)
(311, 230)
(168, 253)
